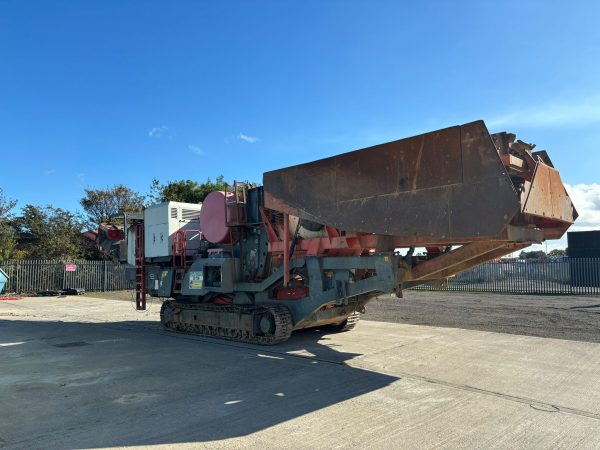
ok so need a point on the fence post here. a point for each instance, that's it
(17, 290)
(105, 277)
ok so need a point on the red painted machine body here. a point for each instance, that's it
(214, 217)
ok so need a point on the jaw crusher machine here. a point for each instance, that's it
(317, 241)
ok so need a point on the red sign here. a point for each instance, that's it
(70, 267)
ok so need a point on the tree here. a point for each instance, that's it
(534, 254)
(101, 204)
(6, 205)
(557, 253)
(8, 241)
(48, 233)
(187, 191)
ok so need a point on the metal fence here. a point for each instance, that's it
(527, 276)
(29, 276)
(519, 276)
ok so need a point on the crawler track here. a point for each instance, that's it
(347, 324)
(231, 322)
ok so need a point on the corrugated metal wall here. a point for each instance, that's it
(29, 276)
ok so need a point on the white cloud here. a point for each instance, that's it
(586, 198)
(555, 113)
(48, 172)
(197, 150)
(249, 139)
(159, 132)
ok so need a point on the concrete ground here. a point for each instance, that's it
(557, 316)
(81, 372)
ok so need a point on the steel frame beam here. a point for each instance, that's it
(462, 258)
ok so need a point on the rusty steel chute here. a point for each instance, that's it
(456, 186)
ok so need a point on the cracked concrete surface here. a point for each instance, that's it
(80, 372)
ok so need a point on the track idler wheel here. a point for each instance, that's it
(266, 324)
(275, 325)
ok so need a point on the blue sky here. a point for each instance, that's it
(101, 92)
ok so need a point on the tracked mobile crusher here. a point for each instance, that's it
(319, 240)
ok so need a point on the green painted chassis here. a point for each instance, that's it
(334, 293)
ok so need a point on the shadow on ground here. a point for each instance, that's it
(82, 385)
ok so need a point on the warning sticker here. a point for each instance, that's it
(196, 280)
